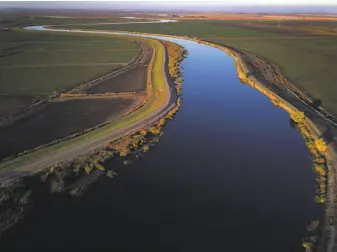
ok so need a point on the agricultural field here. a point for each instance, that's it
(38, 65)
(305, 54)
(133, 80)
(45, 63)
(57, 120)
(16, 19)
(10, 105)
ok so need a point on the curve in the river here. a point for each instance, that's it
(229, 174)
(64, 151)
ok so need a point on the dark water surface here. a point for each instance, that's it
(229, 174)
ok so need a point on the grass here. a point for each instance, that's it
(308, 62)
(38, 63)
(25, 19)
(185, 28)
(44, 80)
(155, 100)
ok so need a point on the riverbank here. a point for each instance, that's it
(159, 104)
(311, 124)
(321, 127)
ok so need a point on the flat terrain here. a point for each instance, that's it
(37, 65)
(133, 80)
(10, 105)
(159, 102)
(33, 63)
(305, 54)
(58, 120)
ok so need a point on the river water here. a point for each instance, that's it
(229, 174)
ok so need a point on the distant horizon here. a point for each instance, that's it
(186, 6)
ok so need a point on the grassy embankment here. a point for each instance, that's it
(36, 66)
(306, 58)
(141, 141)
(157, 96)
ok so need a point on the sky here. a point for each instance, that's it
(272, 6)
(221, 2)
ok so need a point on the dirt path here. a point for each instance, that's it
(99, 96)
(74, 151)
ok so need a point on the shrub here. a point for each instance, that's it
(320, 170)
(88, 169)
(111, 174)
(126, 151)
(143, 132)
(99, 167)
(297, 116)
(161, 122)
(155, 130)
(146, 148)
(308, 246)
(321, 145)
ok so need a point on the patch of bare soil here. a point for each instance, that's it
(12, 105)
(59, 120)
(132, 80)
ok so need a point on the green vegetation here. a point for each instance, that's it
(306, 57)
(42, 63)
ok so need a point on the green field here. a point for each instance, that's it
(308, 59)
(38, 63)
(15, 19)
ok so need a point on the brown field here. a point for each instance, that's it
(58, 120)
(10, 105)
(133, 80)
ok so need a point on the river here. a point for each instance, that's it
(229, 174)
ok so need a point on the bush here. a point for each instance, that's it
(99, 167)
(111, 174)
(88, 169)
(321, 145)
(146, 148)
(298, 116)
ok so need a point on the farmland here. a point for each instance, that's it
(58, 120)
(38, 65)
(44, 63)
(133, 80)
(306, 55)
(157, 103)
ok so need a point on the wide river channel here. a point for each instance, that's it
(229, 174)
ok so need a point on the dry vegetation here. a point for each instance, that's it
(144, 139)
